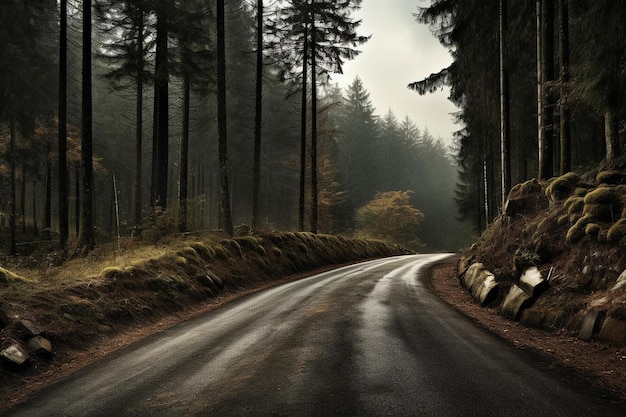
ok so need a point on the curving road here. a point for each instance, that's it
(363, 340)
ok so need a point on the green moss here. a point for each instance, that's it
(114, 272)
(530, 186)
(231, 243)
(203, 250)
(574, 205)
(577, 231)
(580, 192)
(592, 229)
(188, 252)
(610, 177)
(601, 212)
(617, 231)
(563, 186)
(563, 220)
(602, 195)
(180, 260)
(604, 203)
(252, 243)
(220, 251)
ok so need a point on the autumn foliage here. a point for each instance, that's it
(391, 217)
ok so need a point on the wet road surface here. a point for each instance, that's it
(363, 340)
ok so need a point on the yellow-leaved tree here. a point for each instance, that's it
(391, 217)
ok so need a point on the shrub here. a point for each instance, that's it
(391, 217)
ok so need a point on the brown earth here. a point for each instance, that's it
(602, 365)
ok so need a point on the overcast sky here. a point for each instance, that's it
(401, 51)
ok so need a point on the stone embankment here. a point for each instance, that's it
(556, 257)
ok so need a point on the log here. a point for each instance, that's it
(532, 282)
(15, 355)
(515, 302)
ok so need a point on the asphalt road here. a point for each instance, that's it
(363, 340)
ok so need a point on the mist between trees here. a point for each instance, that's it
(173, 135)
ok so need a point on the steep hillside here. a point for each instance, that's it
(556, 258)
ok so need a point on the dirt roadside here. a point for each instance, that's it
(602, 365)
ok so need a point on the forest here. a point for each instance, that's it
(539, 86)
(145, 118)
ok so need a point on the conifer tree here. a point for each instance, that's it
(221, 120)
(86, 237)
(326, 30)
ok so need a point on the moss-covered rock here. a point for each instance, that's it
(577, 231)
(617, 231)
(563, 186)
(580, 191)
(563, 220)
(604, 204)
(574, 205)
(524, 198)
(592, 229)
(611, 177)
(601, 212)
(602, 195)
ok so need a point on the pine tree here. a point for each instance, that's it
(258, 116)
(25, 80)
(86, 237)
(63, 188)
(221, 120)
(196, 67)
(328, 28)
(358, 149)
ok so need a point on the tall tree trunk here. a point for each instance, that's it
(258, 117)
(221, 120)
(63, 190)
(35, 225)
(138, 125)
(155, 146)
(505, 144)
(86, 238)
(546, 164)
(161, 85)
(184, 156)
(540, 98)
(314, 185)
(77, 199)
(611, 134)
(303, 126)
(12, 196)
(47, 217)
(23, 199)
(564, 113)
